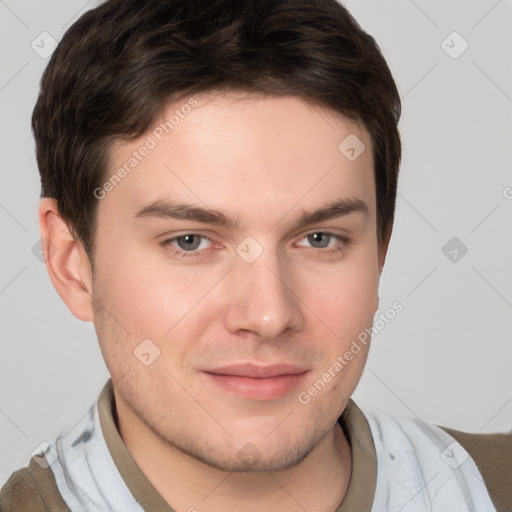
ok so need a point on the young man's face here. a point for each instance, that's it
(223, 300)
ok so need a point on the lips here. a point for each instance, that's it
(258, 382)
(258, 372)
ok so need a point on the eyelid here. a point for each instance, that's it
(299, 236)
(344, 239)
(341, 239)
(167, 241)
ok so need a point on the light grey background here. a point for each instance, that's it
(445, 358)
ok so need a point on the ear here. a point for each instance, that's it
(383, 248)
(66, 261)
(382, 251)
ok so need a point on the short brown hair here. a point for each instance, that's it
(121, 63)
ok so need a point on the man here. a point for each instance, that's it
(218, 191)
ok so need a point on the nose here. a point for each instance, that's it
(263, 300)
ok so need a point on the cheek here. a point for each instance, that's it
(347, 297)
(156, 299)
(346, 304)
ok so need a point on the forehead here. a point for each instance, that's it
(244, 153)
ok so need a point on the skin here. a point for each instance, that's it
(263, 160)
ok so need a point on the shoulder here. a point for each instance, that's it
(476, 463)
(32, 488)
(492, 454)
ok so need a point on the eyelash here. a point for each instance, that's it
(187, 254)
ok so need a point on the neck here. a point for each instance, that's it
(318, 483)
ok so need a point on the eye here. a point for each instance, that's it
(195, 244)
(327, 242)
(188, 244)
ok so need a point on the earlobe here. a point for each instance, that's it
(66, 261)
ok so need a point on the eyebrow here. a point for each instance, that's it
(170, 210)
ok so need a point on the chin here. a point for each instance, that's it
(253, 461)
(254, 457)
